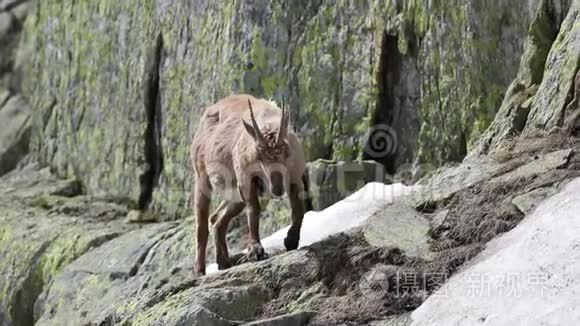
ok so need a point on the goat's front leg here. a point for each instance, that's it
(201, 201)
(228, 211)
(255, 249)
(295, 195)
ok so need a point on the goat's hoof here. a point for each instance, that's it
(256, 252)
(224, 264)
(138, 216)
(291, 243)
(199, 272)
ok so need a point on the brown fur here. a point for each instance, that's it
(229, 157)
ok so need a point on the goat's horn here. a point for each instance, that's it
(284, 120)
(255, 124)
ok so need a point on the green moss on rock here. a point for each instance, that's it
(557, 85)
(86, 60)
(39, 237)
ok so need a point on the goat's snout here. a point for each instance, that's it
(277, 181)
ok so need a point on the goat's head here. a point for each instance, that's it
(272, 151)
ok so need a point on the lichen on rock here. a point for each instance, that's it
(323, 62)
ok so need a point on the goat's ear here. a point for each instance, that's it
(250, 129)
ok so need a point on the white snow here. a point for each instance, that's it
(528, 276)
(346, 214)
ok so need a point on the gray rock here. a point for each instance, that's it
(8, 44)
(296, 319)
(401, 227)
(541, 164)
(99, 270)
(200, 316)
(15, 131)
(6, 4)
(4, 96)
(195, 306)
(3, 319)
(528, 202)
(146, 276)
(309, 297)
(105, 271)
(528, 276)
(35, 186)
(37, 241)
(449, 180)
(233, 295)
(139, 216)
(21, 10)
(439, 219)
(6, 22)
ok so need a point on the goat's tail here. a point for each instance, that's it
(307, 194)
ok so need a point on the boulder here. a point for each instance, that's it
(449, 180)
(399, 226)
(113, 273)
(15, 131)
(4, 96)
(529, 201)
(22, 9)
(528, 276)
(538, 165)
(6, 4)
(194, 315)
(161, 293)
(10, 27)
(42, 234)
(331, 181)
(439, 218)
(6, 21)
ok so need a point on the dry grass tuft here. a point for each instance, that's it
(533, 142)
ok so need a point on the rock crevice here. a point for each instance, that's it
(153, 150)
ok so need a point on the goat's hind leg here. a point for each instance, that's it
(201, 201)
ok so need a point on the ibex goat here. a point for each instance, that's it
(244, 148)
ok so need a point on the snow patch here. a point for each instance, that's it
(344, 215)
(528, 276)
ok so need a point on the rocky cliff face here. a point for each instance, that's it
(112, 98)
(15, 124)
(69, 258)
(118, 86)
(549, 68)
